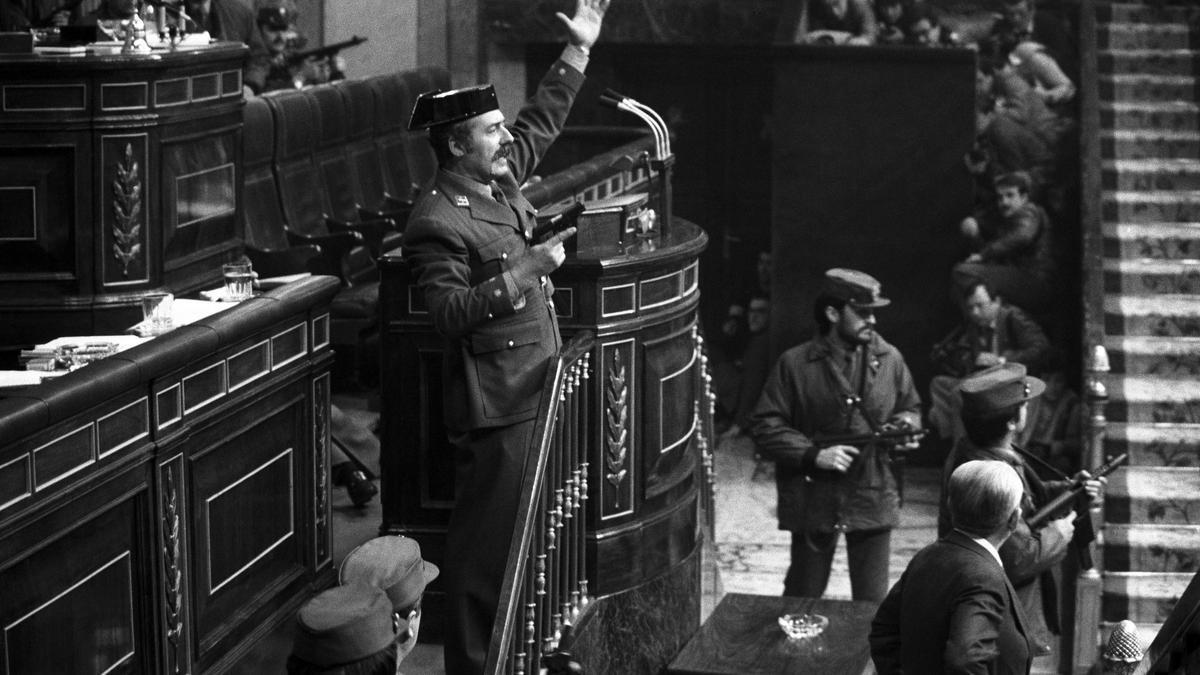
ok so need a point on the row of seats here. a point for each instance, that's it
(329, 174)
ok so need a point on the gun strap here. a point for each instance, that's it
(1041, 463)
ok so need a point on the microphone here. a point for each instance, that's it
(662, 135)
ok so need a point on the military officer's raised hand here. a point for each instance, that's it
(584, 27)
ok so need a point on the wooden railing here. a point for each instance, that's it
(1083, 631)
(545, 585)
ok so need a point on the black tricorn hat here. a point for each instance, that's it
(443, 107)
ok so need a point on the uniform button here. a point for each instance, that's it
(504, 255)
(496, 292)
(543, 280)
(490, 315)
(511, 344)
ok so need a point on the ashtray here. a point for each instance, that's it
(803, 626)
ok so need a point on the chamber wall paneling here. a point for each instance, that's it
(162, 509)
(118, 174)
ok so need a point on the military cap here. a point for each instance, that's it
(275, 18)
(858, 289)
(998, 388)
(443, 107)
(390, 563)
(345, 624)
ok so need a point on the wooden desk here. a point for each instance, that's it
(743, 636)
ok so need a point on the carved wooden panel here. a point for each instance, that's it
(199, 196)
(173, 559)
(616, 381)
(37, 200)
(245, 486)
(123, 201)
(68, 612)
(321, 484)
(669, 420)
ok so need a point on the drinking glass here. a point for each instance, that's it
(156, 312)
(239, 281)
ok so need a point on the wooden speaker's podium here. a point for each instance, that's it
(118, 174)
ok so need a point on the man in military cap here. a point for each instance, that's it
(468, 244)
(394, 565)
(994, 405)
(346, 629)
(845, 381)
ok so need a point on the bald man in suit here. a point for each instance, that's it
(954, 610)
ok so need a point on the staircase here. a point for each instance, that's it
(1150, 144)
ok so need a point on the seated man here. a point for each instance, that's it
(992, 333)
(849, 22)
(393, 564)
(346, 629)
(1012, 247)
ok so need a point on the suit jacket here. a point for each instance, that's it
(1016, 337)
(952, 611)
(804, 397)
(500, 330)
(1029, 557)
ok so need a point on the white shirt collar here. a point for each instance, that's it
(990, 549)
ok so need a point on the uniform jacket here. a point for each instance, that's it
(1021, 240)
(952, 611)
(1029, 557)
(459, 246)
(1016, 337)
(804, 396)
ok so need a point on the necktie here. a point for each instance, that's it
(498, 194)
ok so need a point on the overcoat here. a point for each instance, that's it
(805, 396)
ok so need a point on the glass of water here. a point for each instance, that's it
(239, 280)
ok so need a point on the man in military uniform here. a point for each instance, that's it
(825, 387)
(468, 243)
(994, 408)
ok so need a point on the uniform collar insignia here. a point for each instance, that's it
(461, 200)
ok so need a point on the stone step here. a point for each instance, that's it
(1157, 116)
(1147, 88)
(1159, 35)
(1165, 206)
(1142, 597)
(1152, 241)
(1162, 357)
(1152, 276)
(1154, 444)
(1154, 399)
(1152, 315)
(1148, 62)
(1152, 495)
(1152, 548)
(1151, 174)
(1149, 144)
(1144, 13)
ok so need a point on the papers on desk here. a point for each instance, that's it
(122, 342)
(15, 379)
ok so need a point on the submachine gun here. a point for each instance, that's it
(1076, 498)
(890, 434)
(323, 52)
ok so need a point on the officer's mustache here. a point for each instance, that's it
(503, 152)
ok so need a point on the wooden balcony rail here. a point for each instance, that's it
(545, 585)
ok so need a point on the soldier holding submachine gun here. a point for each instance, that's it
(832, 414)
(994, 412)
